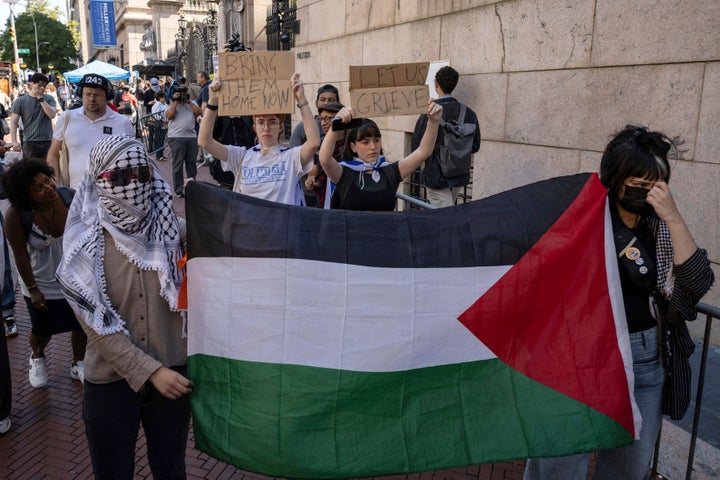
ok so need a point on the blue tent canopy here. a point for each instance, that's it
(107, 70)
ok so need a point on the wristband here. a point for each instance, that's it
(32, 287)
(300, 105)
(211, 107)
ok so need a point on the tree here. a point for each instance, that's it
(61, 49)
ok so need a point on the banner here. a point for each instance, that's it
(335, 344)
(102, 20)
(383, 90)
(255, 83)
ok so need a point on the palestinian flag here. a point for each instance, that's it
(329, 344)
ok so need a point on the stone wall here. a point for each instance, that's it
(550, 80)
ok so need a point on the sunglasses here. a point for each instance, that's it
(123, 176)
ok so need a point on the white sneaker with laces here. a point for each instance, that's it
(38, 373)
(77, 371)
(5, 424)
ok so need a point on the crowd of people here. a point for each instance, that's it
(98, 255)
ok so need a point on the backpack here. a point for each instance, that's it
(26, 217)
(455, 151)
(231, 131)
(125, 107)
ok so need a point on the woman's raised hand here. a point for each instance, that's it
(434, 112)
(214, 89)
(345, 114)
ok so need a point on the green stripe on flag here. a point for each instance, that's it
(299, 421)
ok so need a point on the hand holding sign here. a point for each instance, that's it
(434, 112)
(254, 83)
(298, 89)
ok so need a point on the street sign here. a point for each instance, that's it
(25, 51)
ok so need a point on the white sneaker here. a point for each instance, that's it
(5, 425)
(77, 371)
(38, 373)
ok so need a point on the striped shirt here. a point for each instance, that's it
(37, 126)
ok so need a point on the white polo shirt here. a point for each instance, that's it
(83, 133)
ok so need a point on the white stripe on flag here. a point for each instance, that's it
(618, 308)
(332, 315)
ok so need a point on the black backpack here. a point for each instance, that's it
(231, 131)
(455, 152)
(26, 217)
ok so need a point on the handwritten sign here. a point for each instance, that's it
(255, 83)
(384, 90)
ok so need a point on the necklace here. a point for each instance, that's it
(47, 217)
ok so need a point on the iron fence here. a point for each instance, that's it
(151, 129)
(711, 313)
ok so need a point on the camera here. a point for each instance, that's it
(182, 93)
(235, 45)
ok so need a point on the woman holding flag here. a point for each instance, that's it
(663, 274)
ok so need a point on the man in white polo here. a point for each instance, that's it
(83, 127)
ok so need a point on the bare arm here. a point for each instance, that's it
(172, 110)
(308, 149)
(331, 167)
(410, 163)
(53, 156)
(17, 238)
(14, 120)
(196, 110)
(48, 109)
(205, 137)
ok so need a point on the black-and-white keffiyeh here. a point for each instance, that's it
(140, 219)
(664, 256)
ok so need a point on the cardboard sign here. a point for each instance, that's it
(255, 83)
(384, 90)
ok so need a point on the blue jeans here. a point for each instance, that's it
(8, 289)
(631, 462)
(112, 414)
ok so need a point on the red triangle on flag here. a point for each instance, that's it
(550, 316)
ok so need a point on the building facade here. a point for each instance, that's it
(184, 31)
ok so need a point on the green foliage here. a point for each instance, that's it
(61, 49)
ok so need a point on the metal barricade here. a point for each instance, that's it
(152, 131)
(711, 313)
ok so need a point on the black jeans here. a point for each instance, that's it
(112, 414)
(36, 150)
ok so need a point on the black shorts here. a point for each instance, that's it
(58, 318)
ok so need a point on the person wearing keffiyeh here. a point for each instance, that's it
(663, 274)
(120, 274)
(365, 180)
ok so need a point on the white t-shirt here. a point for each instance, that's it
(83, 133)
(275, 176)
(159, 107)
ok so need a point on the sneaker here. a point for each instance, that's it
(11, 329)
(77, 371)
(5, 425)
(38, 373)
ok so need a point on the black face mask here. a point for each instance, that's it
(635, 200)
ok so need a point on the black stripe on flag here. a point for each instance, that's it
(497, 230)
